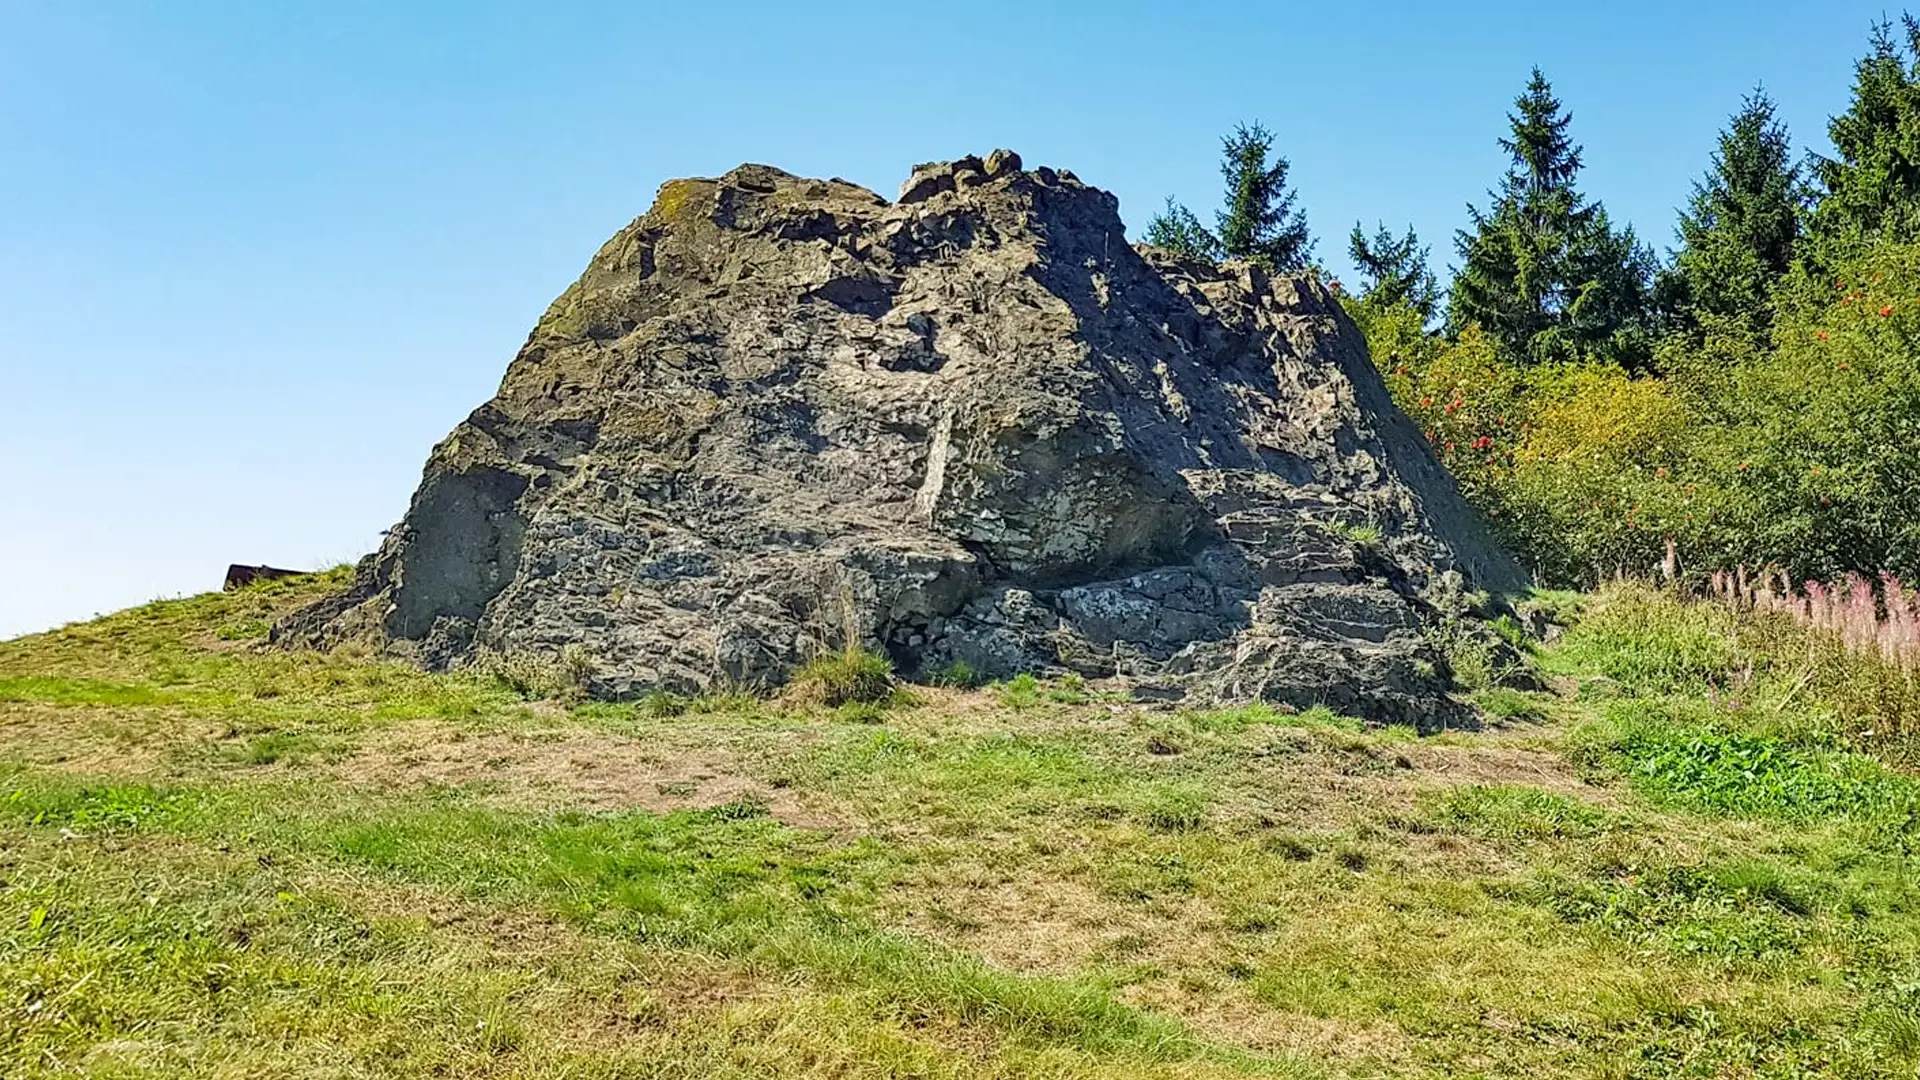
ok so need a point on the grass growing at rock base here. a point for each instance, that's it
(852, 676)
(221, 860)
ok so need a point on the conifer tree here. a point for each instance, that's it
(1543, 271)
(1870, 191)
(1177, 230)
(1394, 269)
(1740, 229)
(1260, 221)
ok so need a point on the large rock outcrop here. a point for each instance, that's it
(973, 424)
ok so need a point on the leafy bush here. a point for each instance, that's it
(1823, 433)
(1800, 453)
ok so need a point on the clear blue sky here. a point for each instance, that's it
(255, 258)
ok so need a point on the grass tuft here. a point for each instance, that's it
(853, 675)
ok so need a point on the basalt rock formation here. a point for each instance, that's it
(973, 424)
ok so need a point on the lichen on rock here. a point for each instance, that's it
(972, 425)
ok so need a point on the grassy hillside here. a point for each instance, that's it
(222, 860)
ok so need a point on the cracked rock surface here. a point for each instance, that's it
(973, 424)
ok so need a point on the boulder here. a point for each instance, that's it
(974, 425)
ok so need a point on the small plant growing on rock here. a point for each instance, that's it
(576, 668)
(1366, 536)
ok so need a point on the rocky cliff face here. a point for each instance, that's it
(973, 424)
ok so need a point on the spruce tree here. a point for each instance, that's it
(1177, 230)
(1394, 269)
(1542, 271)
(1740, 230)
(1870, 191)
(1260, 221)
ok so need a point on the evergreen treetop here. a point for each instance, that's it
(1870, 189)
(1260, 221)
(1394, 269)
(1542, 271)
(1176, 229)
(1545, 160)
(1740, 230)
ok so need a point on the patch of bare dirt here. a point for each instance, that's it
(1238, 1019)
(1494, 765)
(97, 740)
(1033, 926)
(560, 767)
(530, 940)
(1052, 927)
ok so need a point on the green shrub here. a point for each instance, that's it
(1797, 452)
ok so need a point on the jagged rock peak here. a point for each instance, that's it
(973, 425)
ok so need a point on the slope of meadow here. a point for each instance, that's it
(218, 859)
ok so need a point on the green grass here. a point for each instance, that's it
(55, 690)
(219, 859)
(1680, 758)
(1514, 706)
(852, 676)
(1261, 713)
(1517, 813)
